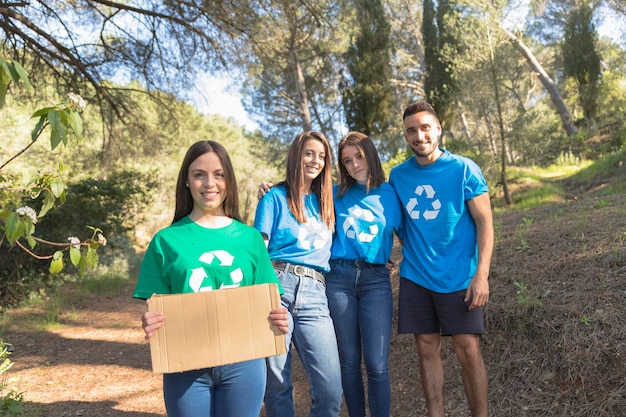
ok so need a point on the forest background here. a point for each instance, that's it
(519, 86)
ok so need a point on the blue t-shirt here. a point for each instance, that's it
(439, 249)
(365, 223)
(306, 244)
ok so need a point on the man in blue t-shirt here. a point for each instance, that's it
(447, 248)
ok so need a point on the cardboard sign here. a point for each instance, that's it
(214, 328)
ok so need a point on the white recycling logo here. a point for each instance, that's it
(225, 260)
(426, 194)
(351, 226)
(313, 235)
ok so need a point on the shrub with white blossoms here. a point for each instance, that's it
(102, 241)
(74, 241)
(27, 212)
(77, 100)
(18, 226)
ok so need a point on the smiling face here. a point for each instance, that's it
(355, 163)
(207, 185)
(313, 161)
(422, 131)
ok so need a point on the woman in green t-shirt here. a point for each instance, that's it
(188, 256)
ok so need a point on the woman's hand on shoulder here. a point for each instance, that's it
(264, 188)
(280, 318)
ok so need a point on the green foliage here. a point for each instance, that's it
(17, 223)
(368, 98)
(440, 45)
(11, 401)
(116, 203)
(612, 94)
(10, 71)
(567, 159)
(608, 170)
(521, 292)
(293, 64)
(524, 296)
(586, 319)
(522, 232)
(401, 155)
(581, 60)
(59, 118)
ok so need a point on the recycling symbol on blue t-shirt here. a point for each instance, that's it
(426, 196)
(360, 217)
(313, 235)
(225, 260)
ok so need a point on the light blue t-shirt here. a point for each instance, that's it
(439, 249)
(365, 223)
(306, 244)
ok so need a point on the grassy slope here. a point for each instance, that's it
(557, 339)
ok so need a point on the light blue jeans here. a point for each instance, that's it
(361, 305)
(313, 336)
(234, 390)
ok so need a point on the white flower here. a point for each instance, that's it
(74, 241)
(78, 100)
(101, 239)
(28, 212)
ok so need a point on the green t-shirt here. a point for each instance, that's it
(186, 257)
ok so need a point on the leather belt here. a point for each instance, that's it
(358, 263)
(299, 270)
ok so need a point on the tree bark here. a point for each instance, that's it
(494, 79)
(547, 82)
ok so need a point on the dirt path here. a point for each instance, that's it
(95, 363)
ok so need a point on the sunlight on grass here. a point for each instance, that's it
(611, 168)
(532, 187)
(105, 280)
(539, 196)
(562, 171)
(42, 311)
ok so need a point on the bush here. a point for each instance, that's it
(11, 400)
(113, 204)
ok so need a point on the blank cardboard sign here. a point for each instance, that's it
(214, 328)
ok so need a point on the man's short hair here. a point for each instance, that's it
(418, 107)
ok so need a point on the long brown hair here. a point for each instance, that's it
(184, 201)
(364, 144)
(322, 185)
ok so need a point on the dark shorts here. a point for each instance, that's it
(421, 311)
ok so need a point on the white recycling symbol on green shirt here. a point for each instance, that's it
(225, 260)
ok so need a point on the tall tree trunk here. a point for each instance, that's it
(303, 97)
(547, 82)
(494, 78)
(492, 139)
(466, 130)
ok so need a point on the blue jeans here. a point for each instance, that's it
(313, 336)
(234, 390)
(361, 305)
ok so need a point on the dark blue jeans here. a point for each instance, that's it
(361, 305)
